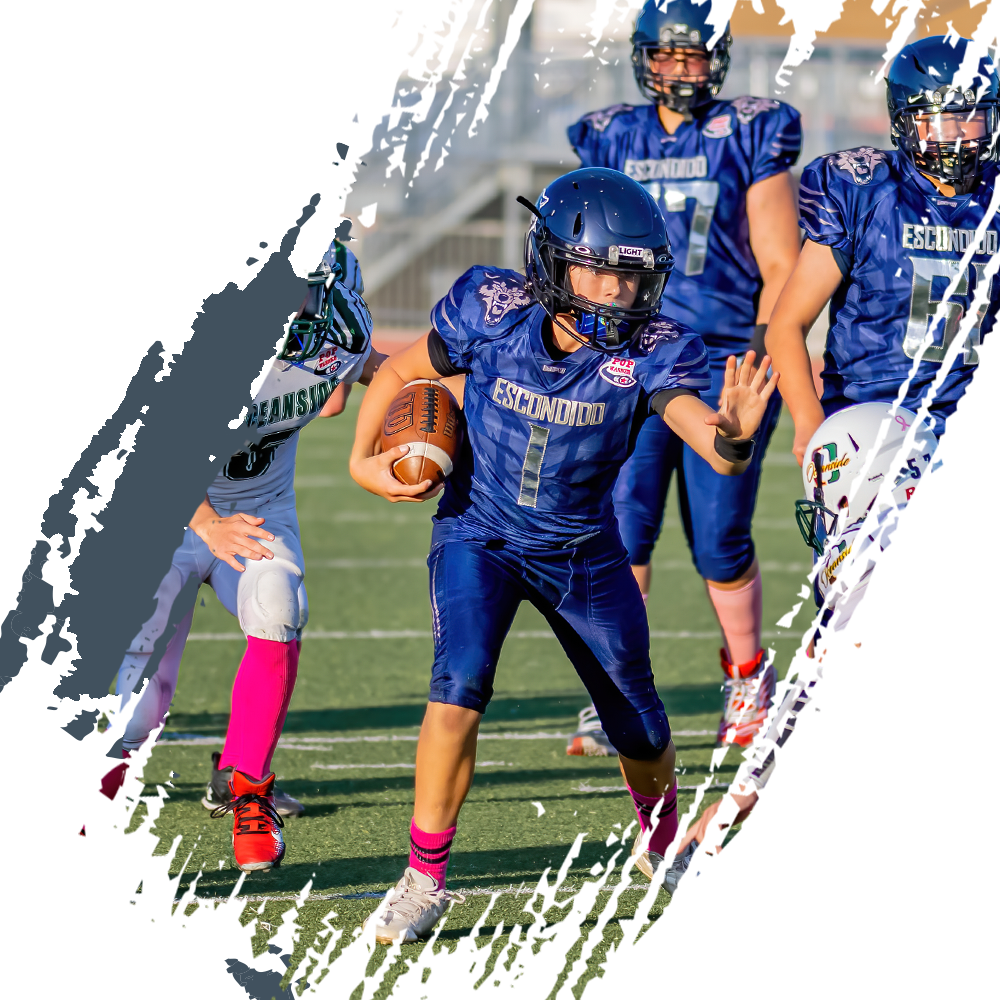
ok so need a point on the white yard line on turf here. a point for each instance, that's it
(669, 564)
(322, 742)
(413, 634)
(317, 897)
(584, 787)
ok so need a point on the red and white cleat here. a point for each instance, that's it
(749, 691)
(257, 841)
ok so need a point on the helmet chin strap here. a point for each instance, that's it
(586, 342)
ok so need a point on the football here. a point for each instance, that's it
(424, 415)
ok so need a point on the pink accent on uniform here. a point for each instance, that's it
(645, 598)
(429, 851)
(740, 613)
(261, 693)
(666, 828)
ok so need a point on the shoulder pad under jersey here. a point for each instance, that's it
(483, 304)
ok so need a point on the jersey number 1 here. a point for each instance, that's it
(532, 468)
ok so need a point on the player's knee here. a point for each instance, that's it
(727, 565)
(463, 686)
(270, 608)
(640, 737)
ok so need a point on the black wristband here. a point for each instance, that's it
(757, 342)
(733, 449)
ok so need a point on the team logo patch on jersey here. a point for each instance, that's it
(718, 127)
(747, 108)
(859, 163)
(501, 297)
(328, 362)
(618, 371)
(600, 120)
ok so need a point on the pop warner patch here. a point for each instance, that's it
(618, 371)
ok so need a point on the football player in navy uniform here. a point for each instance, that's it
(562, 369)
(718, 169)
(243, 541)
(901, 244)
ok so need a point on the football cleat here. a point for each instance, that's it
(257, 840)
(748, 691)
(649, 861)
(589, 740)
(415, 905)
(217, 793)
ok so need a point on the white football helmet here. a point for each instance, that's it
(840, 482)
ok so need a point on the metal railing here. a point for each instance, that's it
(432, 226)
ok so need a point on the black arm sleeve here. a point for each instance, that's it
(660, 399)
(439, 356)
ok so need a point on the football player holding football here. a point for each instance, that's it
(243, 541)
(563, 367)
(718, 169)
(860, 474)
(902, 245)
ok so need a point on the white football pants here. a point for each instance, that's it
(268, 598)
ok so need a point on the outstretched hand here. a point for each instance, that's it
(744, 397)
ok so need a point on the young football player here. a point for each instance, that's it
(851, 459)
(718, 169)
(890, 234)
(562, 369)
(243, 541)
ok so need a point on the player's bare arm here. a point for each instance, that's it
(741, 409)
(337, 402)
(369, 468)
(774, 236)
(228, 537)
(815, 278)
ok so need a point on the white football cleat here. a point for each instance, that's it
(589, 740)
(649, 861)
(748, 691)
(416, 904)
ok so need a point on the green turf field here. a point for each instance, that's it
(349, 741)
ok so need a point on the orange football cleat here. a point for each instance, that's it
(257, 840)
(749, 691)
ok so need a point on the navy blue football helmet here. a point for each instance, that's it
(679, 24)
(945, 130)
(598, 219)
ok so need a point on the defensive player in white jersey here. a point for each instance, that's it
(851, 510)
(243, 541)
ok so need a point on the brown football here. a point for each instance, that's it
(425, 416)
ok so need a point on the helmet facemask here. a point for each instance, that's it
(948, 140)
(681, 91)
(321, 320)
(609, 326)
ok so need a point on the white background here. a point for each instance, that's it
(148, 151)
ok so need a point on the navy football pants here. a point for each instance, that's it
(716, 510)
(590, 599)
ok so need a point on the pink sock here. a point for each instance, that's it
(261, 693)
(739, 613)
(666, 828)
(429, 851)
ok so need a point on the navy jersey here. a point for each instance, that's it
(700, 176)
(546, 436)
(899, 242)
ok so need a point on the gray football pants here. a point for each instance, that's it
(268, 598)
